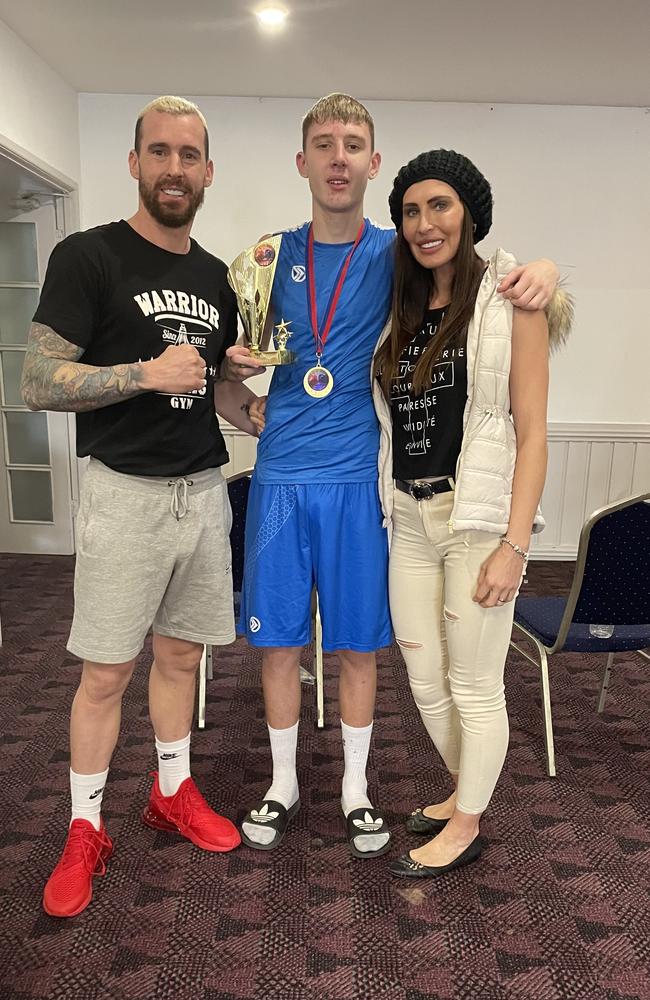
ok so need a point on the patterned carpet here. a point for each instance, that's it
(557, 908)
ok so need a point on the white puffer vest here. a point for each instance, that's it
(487, 457)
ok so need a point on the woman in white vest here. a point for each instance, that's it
(460, 381)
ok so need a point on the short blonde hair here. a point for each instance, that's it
(338, 108)
(170, 105)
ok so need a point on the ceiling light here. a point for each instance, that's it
(271, 17)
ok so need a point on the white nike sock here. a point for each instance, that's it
(285, 780)
(173, 764)
(86, 792)
(354, 791)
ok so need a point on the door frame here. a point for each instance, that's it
(69, 221)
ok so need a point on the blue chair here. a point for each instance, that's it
(611, 583)
(238, 490)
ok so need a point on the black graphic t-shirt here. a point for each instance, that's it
(428, 429)
(124, 300)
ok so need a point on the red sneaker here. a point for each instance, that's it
(189, 814)
(69, 888)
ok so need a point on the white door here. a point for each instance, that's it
(35, 478)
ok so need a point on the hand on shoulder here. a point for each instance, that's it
(531, 286)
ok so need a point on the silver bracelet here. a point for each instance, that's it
(516, 548)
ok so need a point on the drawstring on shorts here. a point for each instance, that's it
(180, 501)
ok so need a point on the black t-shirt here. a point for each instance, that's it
(124, 300)
(428, 428)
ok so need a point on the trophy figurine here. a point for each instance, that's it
(251, 278)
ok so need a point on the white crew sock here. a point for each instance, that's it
(356, 747)
(354, 791)
(86, 792)
(173, 764)
(285, 780)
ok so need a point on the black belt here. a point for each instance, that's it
(424, 491)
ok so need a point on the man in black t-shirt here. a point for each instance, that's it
(135, 333)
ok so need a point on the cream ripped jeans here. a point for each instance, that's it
(454, 649)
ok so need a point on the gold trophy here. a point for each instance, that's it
(251, 278)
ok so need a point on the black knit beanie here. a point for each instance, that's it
(457, 171)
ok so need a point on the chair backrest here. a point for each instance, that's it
(612, 579)
(238, 489)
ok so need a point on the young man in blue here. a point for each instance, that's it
(314, 515)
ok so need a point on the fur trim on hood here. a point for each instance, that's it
(559, 316)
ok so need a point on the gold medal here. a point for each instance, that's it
(318, 381)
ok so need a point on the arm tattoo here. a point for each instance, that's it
(53, 379)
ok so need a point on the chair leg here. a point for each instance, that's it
(548, 717)
(546, 694)
(318, 667)
(605, 683)
(305, 676)
(208, 662)
(202, 686)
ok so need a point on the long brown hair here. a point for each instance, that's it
(414, 287)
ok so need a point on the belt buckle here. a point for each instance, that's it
(421, 491)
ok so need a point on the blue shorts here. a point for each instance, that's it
(328, 535)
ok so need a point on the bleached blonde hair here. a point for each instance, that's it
(170, 105)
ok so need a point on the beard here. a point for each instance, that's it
(168, 215)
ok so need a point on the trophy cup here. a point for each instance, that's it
(251, 278)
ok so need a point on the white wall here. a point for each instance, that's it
(569, 183)
(38, 110)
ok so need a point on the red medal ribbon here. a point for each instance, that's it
(319, 337)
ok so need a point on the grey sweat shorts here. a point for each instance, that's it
(150, 551)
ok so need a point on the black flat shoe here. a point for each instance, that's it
(406, 867)
(417, 822)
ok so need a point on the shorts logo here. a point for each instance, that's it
(254, 624)
(298, 272)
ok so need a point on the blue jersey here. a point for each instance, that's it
(334, 439)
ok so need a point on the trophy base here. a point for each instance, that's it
(272, 358)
